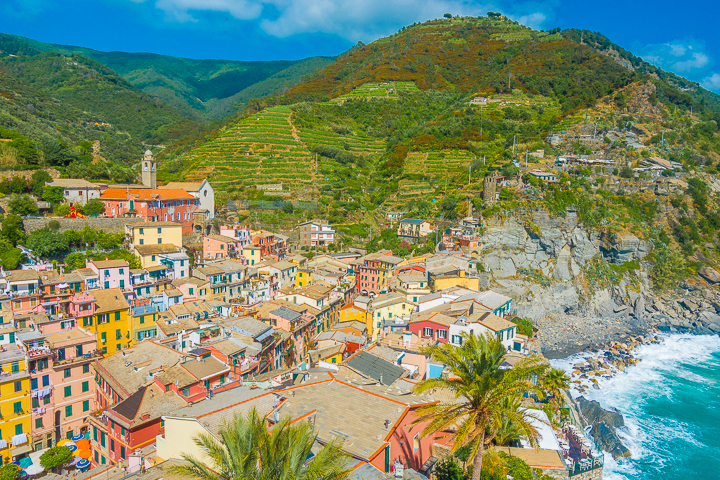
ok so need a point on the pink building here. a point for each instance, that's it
(62, 384)
(220, 246)
(111, 273)
(152, 205)
(241, 233)
(300, 325)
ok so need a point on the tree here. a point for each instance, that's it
(12, 229)
(448, 15)
(94, 206)
(448, 469)
(55, 457)
(38, 180)
(670, 267)
(9, 471)
(554, 382)
(23, 205)
(11, 258)
(627, 172)
(52, 195)
(47, 243)
(479, 387)
(248, 450)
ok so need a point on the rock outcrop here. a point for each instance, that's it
(604, 426)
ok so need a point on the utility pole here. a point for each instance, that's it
(526, 158)
(483, 160)
(595, 132)
(514, 138)
(662, 139)
(481, 125)
(469, 170)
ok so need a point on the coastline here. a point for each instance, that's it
(668, 403)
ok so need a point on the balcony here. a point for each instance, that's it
(77, 359)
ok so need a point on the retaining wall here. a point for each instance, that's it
(109, 225)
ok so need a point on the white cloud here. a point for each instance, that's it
(364, 20)
(712, 82)
(533, 20)
(679, 56)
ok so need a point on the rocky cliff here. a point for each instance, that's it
(604, 426)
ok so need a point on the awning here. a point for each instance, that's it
(21, 449)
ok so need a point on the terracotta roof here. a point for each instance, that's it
(109, 300)
(156, 249)
(205, 368)
(22, 275)
(187, 186)
(491, 321)
(434, 317)
(72, 183)
(222, 238)
(110, 263)
(145, 194)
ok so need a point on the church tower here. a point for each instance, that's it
(147, 166)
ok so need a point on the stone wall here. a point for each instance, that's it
(109, 225)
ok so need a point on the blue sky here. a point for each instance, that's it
(678, 37)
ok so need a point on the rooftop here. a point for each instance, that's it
(145, 194)
(205, 368)
(72, 183)
(129, 370)
(144, 250)
(376, 367)
(100, 264)
(109, 300)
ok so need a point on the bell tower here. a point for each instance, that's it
(147, 167)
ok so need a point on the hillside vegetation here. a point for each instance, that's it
(204, 90)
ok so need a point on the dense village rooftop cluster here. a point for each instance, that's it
(137, 361)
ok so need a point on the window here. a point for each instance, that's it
(456, 340)
(85, 386)
(159, 241)
(46, 380)
(17, 407)
(68, 411)
(68, 391)
(18, 429)
(87, 321)
(442, 333)
(78, 351)
(427, 332)
(117, 315)
(118, 334)
(67, 373)
(103, 337)
(102, 439)
(18, 386)
(86, 368)
(86, 405)
(122, 283)
(159, 230)
(122, 452)
(112, 445)
(97, 458)
(118, 347)
(142, 231)
(46, 400)
(142, 320)
(186, 392)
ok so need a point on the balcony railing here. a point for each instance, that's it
(77, 359)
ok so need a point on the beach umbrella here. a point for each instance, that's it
(77, 437)
(34, 469)
(25, 462)
(83, 453)
(71, 447)
(84, 463)
(83, 444)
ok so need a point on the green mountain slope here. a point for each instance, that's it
(204, 89)
(74, 98)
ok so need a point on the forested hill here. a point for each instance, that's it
(493, 55)
(56, 99)
(201, 89)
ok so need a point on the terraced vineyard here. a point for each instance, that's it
(351, 143)
(438, 163)
(261, 149)
(379, 90)
(414, 188)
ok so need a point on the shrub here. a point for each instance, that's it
(23, 205)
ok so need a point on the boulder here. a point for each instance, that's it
(709, 274)
(604, 425)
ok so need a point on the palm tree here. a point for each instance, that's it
(554, 382)
(247, 450)
(481, 389)
(508, 431)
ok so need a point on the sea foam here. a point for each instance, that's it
(660, 398)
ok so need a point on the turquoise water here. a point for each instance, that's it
(671, 405)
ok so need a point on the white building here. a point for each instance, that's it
(178, 262)
(203, 191)
(484, 323)
(76, 191)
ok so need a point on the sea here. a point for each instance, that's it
(671, 404)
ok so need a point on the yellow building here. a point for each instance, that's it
(252, 254)
(388, 307)
(111, 320)
(150, 254)
(15, 404)
(441, 283)
(143, 321)
(154, 233)
(303, 277)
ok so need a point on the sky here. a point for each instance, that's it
(678, 38)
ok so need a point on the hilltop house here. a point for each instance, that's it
(413, 229)
(76, 191)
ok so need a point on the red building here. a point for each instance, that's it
(152, 205)
(434, 326)
(373, 271)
